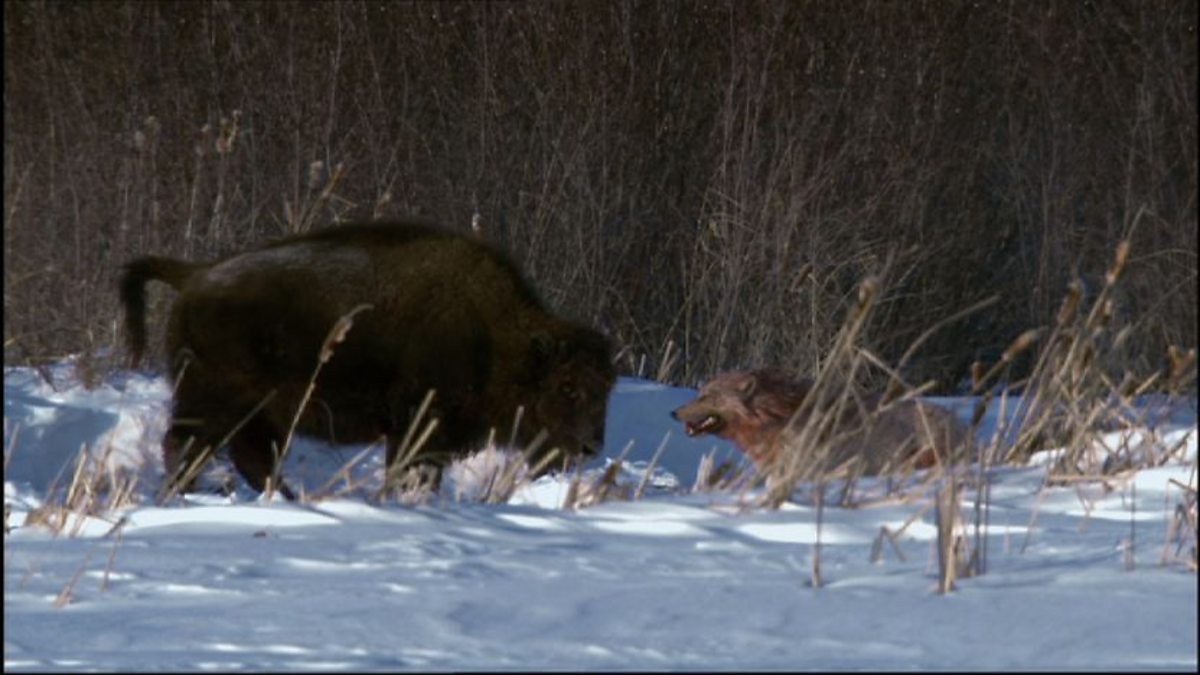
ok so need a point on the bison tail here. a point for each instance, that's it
(133, 295)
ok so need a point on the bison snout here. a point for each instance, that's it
(592, 448)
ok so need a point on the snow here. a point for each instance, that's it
(679, 579)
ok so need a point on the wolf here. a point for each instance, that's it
(763, 413)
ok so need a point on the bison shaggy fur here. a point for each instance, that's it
(755, 409)
(446, 312)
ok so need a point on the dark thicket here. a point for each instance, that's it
(716, 174)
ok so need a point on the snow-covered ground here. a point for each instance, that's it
(680, 579)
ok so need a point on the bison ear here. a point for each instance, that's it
(550, 348)
(543, 346)
(543, 352)
(595, 346)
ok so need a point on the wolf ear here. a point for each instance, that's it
(748, 385)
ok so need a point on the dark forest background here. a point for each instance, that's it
(707, 182)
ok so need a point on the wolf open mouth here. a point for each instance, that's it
(708, 425)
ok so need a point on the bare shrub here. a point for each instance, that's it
(714, 176)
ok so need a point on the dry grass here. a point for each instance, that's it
(953, 554)
(711, 178)
(726, 476)
(1180, 545)
(95, 491)
(502, 476)
(1077, 394)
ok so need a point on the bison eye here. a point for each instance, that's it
(568, 391)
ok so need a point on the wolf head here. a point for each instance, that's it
(749, 408)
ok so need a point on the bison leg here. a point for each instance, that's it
(186, 450)
(195, 434)
(254, 450)
(205, 416)
(190, 443)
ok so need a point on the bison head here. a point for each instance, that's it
(568, 377)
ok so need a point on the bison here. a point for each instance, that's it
(754, 410)
(439, 311)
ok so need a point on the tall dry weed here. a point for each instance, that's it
(717, 177)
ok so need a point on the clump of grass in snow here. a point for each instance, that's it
(953, 551)
(1072, 397)
(724, 476)
(1073, 401)
(96, 490)
(603, 488)
(496, 477)
(1180, 545)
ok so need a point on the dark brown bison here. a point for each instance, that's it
(753, 409)
(446, 312)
